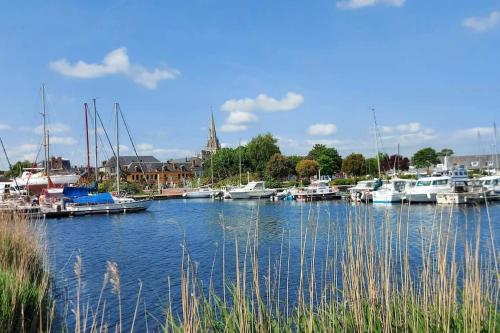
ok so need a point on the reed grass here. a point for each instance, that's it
(364, 280)
(367, 282)
(25, 303)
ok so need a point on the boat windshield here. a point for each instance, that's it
(440, 182)
(259, 186)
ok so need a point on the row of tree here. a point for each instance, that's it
(262, 156)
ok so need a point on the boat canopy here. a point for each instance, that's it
(75, 192)
(101, 198)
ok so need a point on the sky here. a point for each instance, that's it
(306, 71)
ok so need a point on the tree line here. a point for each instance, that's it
(263, 158)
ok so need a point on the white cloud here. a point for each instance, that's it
(62, 140)
(53, 128)
(412, 127)
(233, 128)
(264, 103)
(162, 153)
(239, 117)
(123, 148)
(472, 133)
(357, 4)
(326, 142)
(4, 126)
(482, 24)
(322, 129)
(144, 146)
(28, 147)
(115, 62)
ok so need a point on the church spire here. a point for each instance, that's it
(213, 143)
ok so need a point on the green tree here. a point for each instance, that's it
(445, 152)
(278, 167)
(425, 158)
(259, 151)
(307, 168)
(328, 158)
(371, 166)
(294, 159)
(354, 164)
(17, 168)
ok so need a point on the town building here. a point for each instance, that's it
(471, 162)
(149, 170)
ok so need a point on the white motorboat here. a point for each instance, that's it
(318, 190)
(426, 189)
(253, 190)
(204, 192)
(491, 186)
(393, 191)
(363, 190)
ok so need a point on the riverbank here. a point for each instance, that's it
(24, 281)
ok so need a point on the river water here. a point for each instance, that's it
(148, 246)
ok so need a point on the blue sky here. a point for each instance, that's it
(306, 71)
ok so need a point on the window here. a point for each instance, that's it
(474, 164)
(440, 182)
(423, 183)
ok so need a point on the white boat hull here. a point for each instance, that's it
(258, 194)
(387, 196)
(121, 207)
(200, 194)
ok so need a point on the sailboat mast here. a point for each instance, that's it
(239, 148)
(376, 141)
(95, 141)
(212, 167)
(496, 150)
(117, 150)
(45, 138)
(8, 162)
(86, 111)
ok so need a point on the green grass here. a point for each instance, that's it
(25, 304)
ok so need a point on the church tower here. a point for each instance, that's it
(213, 143)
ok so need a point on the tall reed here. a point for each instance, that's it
(366, 282)
(361, 275)
(25, 304)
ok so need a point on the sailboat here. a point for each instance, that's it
(82, 202)
(35, 179)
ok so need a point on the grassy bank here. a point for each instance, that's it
(24, 300)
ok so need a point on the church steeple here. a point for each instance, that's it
(213, 143)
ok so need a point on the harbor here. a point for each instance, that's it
(247, 167)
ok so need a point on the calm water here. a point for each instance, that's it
(148, 246)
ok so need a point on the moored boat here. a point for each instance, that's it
(318, 190)
(393, 191)
(253, 190)
(205, 192)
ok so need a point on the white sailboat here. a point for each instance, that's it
(36, 179)
(106, 202)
